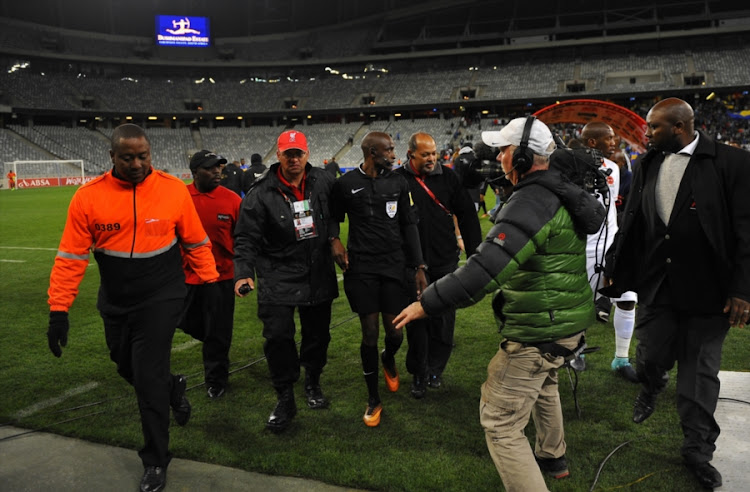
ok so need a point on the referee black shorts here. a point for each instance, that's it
(372, 293)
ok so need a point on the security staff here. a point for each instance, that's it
(136, 219)
(438, 197)
(282, 242)
(209, 308)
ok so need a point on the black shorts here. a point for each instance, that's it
(373, 293)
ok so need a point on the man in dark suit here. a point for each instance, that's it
(684, 246)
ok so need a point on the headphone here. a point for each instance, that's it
(523, 156)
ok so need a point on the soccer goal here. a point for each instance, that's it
(37, 174)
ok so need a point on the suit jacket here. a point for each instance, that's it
(704, 252)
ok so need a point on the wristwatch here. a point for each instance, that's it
(421, 267)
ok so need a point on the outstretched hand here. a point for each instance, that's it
(412, 312)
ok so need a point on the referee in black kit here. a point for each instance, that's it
(382, 225)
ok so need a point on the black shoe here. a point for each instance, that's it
(154, 479)
(215, 392)
(708, 476)
(418, 387)
(178, 401)
(554, 467)
(315, 397)
(282, 415)
(644, 406)
(434, 381)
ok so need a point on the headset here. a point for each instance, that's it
(523, 156)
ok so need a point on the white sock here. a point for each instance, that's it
(624, 322)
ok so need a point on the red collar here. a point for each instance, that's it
(299, 193)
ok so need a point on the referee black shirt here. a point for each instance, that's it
(380, 211)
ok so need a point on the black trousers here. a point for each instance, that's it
(280, 348)
(666, 336)
(140, 343)
(210, 319)
(430, 339)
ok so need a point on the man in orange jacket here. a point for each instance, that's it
(135, 219)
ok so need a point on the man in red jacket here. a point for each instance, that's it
(135, 219)
(209, 308)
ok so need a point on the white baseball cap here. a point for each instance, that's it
(540, 138)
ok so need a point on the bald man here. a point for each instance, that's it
(438, 198)
(600, 136)
(383, 241)
(684, 246)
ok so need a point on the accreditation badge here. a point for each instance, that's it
(391, 208)
(304, 225)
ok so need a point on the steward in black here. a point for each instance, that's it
(441, 203)
(282, 237)
(289, 272)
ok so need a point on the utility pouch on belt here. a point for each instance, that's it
(557, 350)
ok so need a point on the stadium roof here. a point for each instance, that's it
(236, 18)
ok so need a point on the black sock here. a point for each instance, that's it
(370, 368)
(392, 344)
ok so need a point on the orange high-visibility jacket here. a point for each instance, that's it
(135, 232)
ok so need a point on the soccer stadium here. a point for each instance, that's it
(230, 76)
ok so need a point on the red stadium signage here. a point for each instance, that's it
(625, 123)
(47, 182)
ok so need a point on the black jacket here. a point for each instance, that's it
(436, 229)
(254, 172)
(231, 177)
(713, 199)
(289, 272)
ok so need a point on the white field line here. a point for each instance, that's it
(185, 345)
(13, 261)
(32, 249)
(36, 407)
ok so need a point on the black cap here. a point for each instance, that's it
(256, 158)
(205, 158)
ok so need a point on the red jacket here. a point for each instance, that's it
(218, 210)
(135, 232)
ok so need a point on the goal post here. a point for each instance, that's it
(39, 174)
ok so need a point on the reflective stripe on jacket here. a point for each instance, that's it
(134, 232)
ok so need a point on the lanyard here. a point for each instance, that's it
(431, 194)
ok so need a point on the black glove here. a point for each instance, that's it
(57, 334)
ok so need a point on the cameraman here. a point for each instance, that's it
(535, 253)
(476, 168)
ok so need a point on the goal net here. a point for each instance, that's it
(38, 174)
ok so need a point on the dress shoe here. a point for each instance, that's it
(708, 476)
(154, 479)
(644, 406)
(178, 401)
(418, 387)
(372, 414)
(434, 381)
(282, 415)
(315, 397)
(390, 372)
